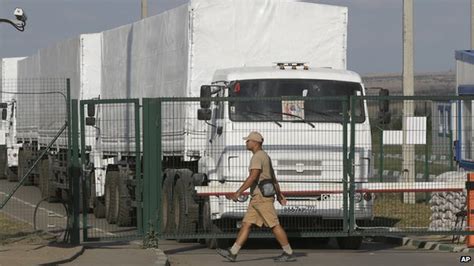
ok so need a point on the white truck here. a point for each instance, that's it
(234, 46)
(9, 88)
(40, 107)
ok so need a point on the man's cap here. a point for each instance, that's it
(255, 136)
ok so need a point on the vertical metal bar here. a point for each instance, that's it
(76, 174)
(345, 225)
(157, 167)
(352, 165)
(138, 169)
(85, 226)
(146, 165)
(68, 111)
(451, 155)
(426, 166)
(381, 151)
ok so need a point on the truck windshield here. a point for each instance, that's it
(316, 110)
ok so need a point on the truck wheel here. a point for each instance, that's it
(166, 202)
(350, 242)
(210, 228)
(92, 190)
(3, 161)
(186, 210)
(99, 208)
(111, 178)
(44, 178)
(19, 171)
(123, 199)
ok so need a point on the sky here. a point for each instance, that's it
(374, 34)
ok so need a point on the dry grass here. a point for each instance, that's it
(391, 211)
(12, 229)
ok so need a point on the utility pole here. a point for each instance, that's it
(144, 9)
(408, 150)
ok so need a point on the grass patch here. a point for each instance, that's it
(390, 211)
(10, 228)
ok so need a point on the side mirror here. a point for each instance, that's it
(206, 93)
(384, 105)
(4, 114)
(90, 121)
(384, 115)
(90, 110)
(204, 114)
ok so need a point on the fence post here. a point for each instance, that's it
(152, 165)
(353, 100)
(381, 162)
(346, 164)
(85, 188)
(470, 208)
(75, 174)
(138, 169)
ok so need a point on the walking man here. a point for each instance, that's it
(261, 210)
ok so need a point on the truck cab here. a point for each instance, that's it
(304, 138)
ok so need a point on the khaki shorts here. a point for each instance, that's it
(261, 211)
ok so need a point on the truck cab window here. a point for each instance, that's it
(318, 108)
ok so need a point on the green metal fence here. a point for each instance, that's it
(340, 161)
(349, 166)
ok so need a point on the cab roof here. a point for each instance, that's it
(249, 73)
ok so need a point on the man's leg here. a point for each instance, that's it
(231, 253)
(243, 233)
(280, 235)
(282, 238)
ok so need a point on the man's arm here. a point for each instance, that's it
(280, 197)
(251, 179)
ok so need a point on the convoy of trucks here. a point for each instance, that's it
(226, 48)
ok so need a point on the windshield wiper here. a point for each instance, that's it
(297, 116)
(267, 116)
(325, 114)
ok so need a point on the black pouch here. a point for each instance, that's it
(267, 188)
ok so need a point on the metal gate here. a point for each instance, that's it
(111, 169)
(188, 192)
(351, 166)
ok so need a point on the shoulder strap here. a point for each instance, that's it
(272, 171)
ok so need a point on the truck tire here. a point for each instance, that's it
(349, 242)
(166, 203)
(186, 210)
(45, 185)
(13, 177)
(123, 199)
(26, 156)
(3, 161)
(92, 190)
(111, 178)
(99, 208)
(209, 227)
(12, 173)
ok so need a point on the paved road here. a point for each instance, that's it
(52, 216)
(261, 252)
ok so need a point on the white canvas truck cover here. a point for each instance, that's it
(174, 53)
(28, 107)
(77, 59)
(40, 116)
